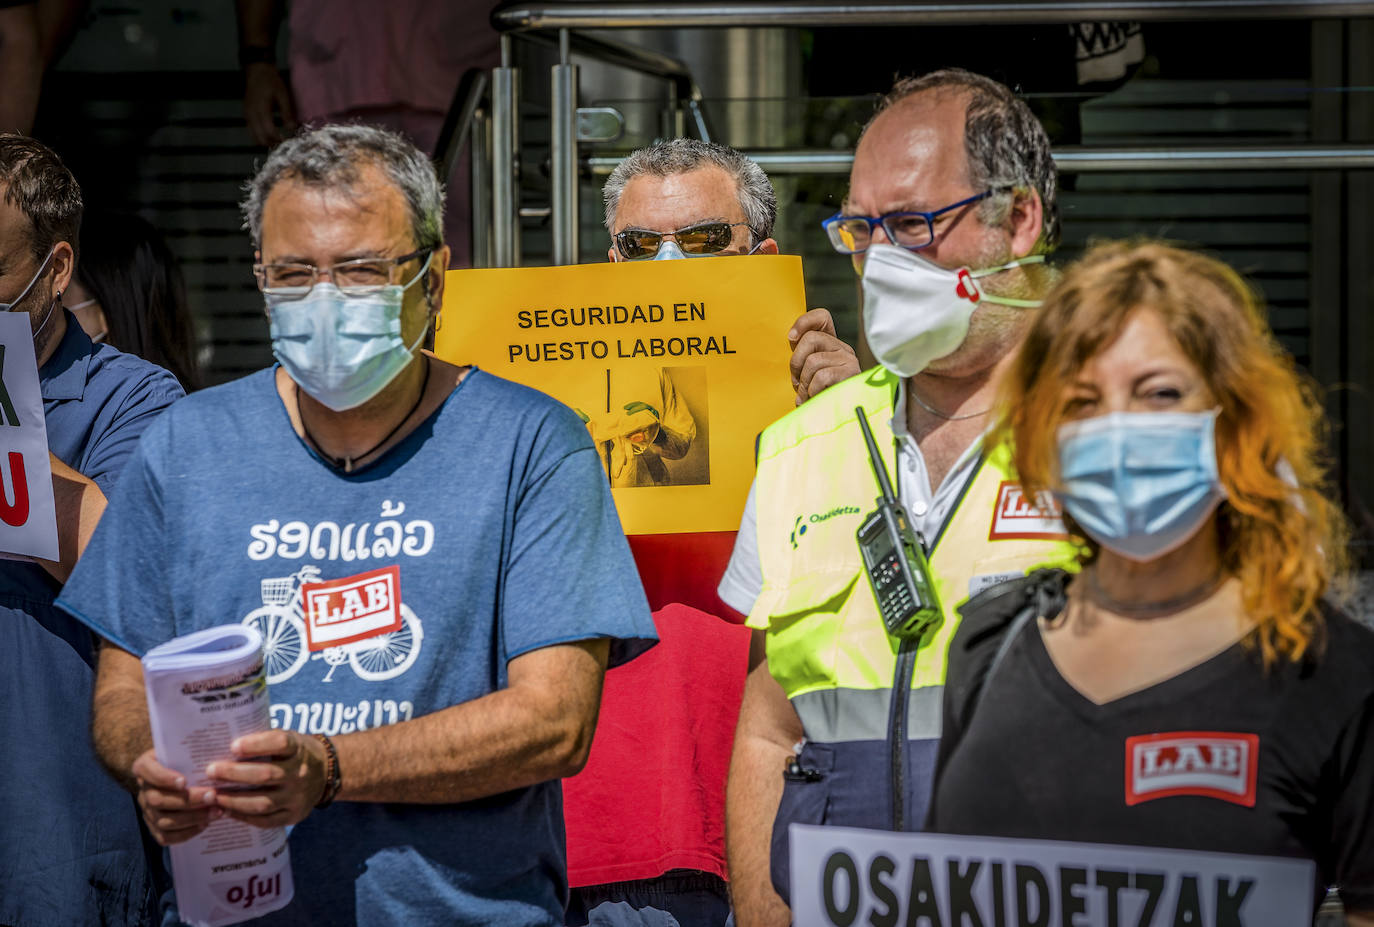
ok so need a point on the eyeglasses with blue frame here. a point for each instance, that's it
(910, 230)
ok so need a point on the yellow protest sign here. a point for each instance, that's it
(674, 366)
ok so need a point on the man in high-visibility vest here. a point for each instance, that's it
(950, 212)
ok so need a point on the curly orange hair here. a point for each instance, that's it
(1279, 531)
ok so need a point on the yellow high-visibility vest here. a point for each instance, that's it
(826, 642)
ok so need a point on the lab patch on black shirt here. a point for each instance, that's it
(1211, 764)
(1223, 757)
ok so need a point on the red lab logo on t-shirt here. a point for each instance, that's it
(342, 611)
(1204, 763)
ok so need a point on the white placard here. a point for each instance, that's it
(844, 877)
(28, 518)
(204, 690)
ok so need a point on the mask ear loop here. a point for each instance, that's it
(56, 301)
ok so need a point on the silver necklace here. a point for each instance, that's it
(936, 412)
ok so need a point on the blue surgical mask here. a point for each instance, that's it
(1140, 483)
(669, 251)
(342, 350)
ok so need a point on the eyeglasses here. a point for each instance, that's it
(910, 230)
(695, 240)
(359, 278)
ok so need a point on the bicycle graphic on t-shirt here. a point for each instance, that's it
(281, 621)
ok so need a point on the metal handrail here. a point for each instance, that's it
(636, 14)
(1081, 160)
(453, 134)
(564, 16)
(608, 51)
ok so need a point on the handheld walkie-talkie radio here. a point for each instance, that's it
(894, 558)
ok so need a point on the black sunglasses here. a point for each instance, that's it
(695, 241)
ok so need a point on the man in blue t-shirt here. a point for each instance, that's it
(431, 554)
(72, 851)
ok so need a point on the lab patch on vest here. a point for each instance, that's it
(341, 611)
(1017, 517)
(1201, 763)
(845, 877)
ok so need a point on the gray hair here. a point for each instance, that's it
(331, 155)
(680, 155)
(1005, 145)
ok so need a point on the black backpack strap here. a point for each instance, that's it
(1044, 597)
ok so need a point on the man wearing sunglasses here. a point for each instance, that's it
(684, 198)
(950, 212)
(73, 853)
(418, 543)
(646, 818)
(674, 200)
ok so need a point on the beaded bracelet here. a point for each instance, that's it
(333, 779)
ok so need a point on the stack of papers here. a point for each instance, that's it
(204, 690)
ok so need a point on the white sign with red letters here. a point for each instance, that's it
(28, 517)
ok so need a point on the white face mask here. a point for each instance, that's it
(916, 312)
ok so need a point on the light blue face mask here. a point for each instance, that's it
(342, 350)
(1140, 483)
(669, 251)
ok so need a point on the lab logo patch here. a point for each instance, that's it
(1018, 517)
(1202, 763)
(341, 611)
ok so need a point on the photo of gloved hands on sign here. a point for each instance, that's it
(650, 427)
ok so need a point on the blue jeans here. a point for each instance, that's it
(680, 898)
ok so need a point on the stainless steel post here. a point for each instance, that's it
(479, 141)
(505, 149)
(563, 154)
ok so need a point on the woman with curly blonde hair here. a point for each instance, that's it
(1152, 406)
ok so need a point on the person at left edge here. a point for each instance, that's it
(431, 550)
(71, 850)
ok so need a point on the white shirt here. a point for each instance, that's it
(743, 579)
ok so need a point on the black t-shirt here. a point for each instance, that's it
(1170, 765)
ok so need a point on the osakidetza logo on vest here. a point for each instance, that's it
(803, 522)
(1019, 517)
(1203, 763)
